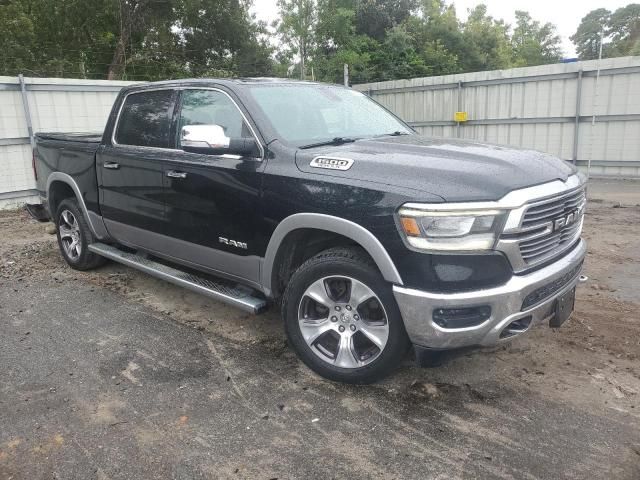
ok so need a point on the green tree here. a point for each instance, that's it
(17, 38)
(56, 38)
(437, 35)
(132, 39)
(590, 32)
(335, 26)
(375, 17)
(486, 42)
(619, 31)
(398, 58)
(534, 43)
(624, 30)
(135, 17)
(379, 39)
(337, 43)
(296, 28)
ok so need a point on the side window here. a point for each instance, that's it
(145, 119)
(211, 107)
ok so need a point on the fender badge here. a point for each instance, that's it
(331, 163)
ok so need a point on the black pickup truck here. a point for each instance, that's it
(313, 197)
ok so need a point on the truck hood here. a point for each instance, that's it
(455, 170)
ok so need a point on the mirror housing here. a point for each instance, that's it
(211, 140)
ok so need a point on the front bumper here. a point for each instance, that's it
(506, 304)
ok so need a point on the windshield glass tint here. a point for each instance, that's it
(304, 114)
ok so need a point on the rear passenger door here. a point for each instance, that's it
(131, 168)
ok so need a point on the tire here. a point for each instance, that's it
(72, 228)
(355, 333)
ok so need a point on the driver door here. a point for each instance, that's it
(211, 200)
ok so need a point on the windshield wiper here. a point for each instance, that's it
(333, 141)
(397, 133)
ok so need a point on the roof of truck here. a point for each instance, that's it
(224, 81)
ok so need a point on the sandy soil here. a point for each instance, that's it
(592, 362)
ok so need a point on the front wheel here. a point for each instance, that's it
(342, 319)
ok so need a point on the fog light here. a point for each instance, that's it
(461, 317)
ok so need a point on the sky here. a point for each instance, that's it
(565, 14)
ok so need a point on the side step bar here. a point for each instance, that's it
(239, 296)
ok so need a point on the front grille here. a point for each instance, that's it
(541, 236)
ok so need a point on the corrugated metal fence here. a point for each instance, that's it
(30, 105)
(549, 108)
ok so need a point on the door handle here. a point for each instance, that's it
(111, 165)
(174, 174)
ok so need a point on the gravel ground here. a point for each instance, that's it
(112, 374)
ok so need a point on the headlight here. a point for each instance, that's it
(469, 230)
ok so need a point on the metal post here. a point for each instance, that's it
(593, 105)
(576, 128)
(459, 107)
(346, 75)
(27, 111)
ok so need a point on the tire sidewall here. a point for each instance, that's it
(397, 343)
(85, 235)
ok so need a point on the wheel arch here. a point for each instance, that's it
(59, 182)
(325, 223)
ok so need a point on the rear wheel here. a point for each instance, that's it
(342, 319)
(74, 237)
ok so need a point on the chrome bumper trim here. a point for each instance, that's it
(417, 306)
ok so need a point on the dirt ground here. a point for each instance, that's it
(590, 366)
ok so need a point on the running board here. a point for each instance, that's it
(237, 295)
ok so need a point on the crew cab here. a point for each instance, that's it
(369, 237)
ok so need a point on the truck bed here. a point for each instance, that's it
(72, 154)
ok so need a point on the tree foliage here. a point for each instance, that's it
(587, 37)
(378, 39)
(385, 40)
(131, 39)
(534, 43)
(296, 28)
(619, 32)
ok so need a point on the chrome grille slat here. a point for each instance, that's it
(541, 251)
(559, 248)
(569, 203)
(570, 231)
(535, 242)
(548, 242)
(532, 219)
(536, 211)
(533, 245)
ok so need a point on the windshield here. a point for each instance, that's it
(308, 114)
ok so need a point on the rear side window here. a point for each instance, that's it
(145, 119)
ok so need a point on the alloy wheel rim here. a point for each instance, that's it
(343, 322)
(70, 237)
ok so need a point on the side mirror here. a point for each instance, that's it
(211, 140)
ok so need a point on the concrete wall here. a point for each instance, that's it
(534, 107)
(56, 105)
